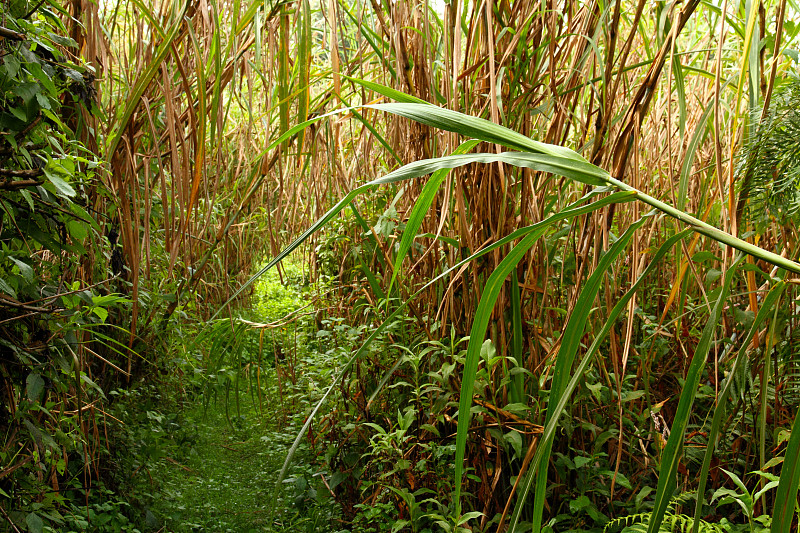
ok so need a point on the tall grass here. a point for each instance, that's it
(628, 138)
(557, 161)
(232, 126)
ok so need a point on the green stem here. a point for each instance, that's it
(710, 231)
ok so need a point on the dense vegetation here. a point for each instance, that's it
(397, 266)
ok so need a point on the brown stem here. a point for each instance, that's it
(8, 519)
(8, 302)
(12, 35)
(21, 173)
(10, 185)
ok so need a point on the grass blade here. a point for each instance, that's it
(786, 496)
(304, 65)
(517, 384)
(421, 207)
(283, 73)
(570, 342)
(394, 94)
(720, 411)
(672, 451)
(550, 427)
(691, 152)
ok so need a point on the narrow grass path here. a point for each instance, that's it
(225, 480)
(220, 461)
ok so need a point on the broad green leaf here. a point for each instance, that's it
(24, 269)
(62, 187)
(34, 387)
(36, 71)
(77, 230)
(35, 523)
(65, 41)
(81, 213)
(101, 312)
(12, 65)
(26, 194)
(6, 288)
(769, 486)
(19, 113)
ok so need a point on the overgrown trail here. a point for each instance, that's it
(214, 461)
(219, 475)
(225, 483)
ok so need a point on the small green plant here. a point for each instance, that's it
(746, 499)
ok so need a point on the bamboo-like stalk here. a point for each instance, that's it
(198, 79)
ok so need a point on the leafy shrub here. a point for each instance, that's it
(58, 309)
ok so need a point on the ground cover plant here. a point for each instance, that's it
(552, 249)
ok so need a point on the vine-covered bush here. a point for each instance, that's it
(58, 344)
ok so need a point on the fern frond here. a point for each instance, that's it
(673, 522)
(769, 164)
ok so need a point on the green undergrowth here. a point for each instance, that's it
(224, 476)
(202, 450)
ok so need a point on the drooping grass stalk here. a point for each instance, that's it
(579, 171)
(572, 165)
(564, 162)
